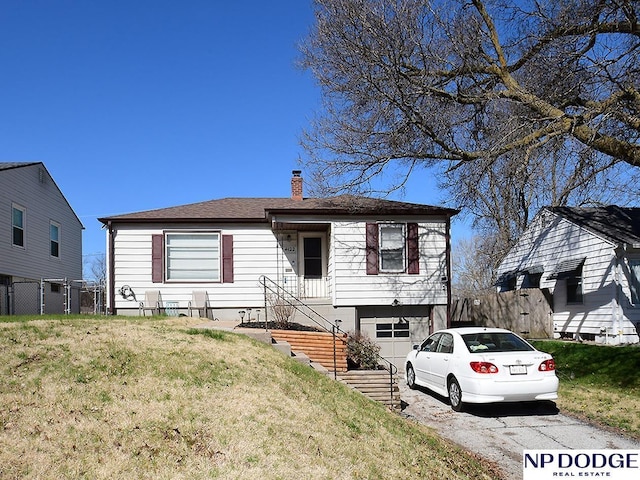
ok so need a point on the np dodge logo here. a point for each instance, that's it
(610, 464)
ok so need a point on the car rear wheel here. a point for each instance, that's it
(411, 377)
(455, 395)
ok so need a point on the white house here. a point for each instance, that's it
(380, 267)
(40, 243)
(589, 259)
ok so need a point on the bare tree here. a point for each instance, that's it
(95, 277)
(519, 104)
(471, 273)
(503, 195)
(407, 83)
(95, 268)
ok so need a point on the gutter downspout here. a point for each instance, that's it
(111, 270)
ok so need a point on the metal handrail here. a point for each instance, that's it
(295, 302)
(291, 300)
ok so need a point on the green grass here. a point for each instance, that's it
(599, 383)
(157, 399)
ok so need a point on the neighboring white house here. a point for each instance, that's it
(40, 243)
(589, 259)
(381, 267)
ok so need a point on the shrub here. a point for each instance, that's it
(281, 310)
(362, 352)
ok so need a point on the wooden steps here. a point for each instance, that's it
(375, 384)
(318, 346)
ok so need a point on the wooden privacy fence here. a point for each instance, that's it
(527, 312)
(318, 346)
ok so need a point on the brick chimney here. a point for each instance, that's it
(296, 185)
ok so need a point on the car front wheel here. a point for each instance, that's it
(411, 377)
(455, 395)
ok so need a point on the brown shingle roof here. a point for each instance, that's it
(259, 209)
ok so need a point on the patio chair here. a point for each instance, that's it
(200, 302)
(152, 302)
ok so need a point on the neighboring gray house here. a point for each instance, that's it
(589, 259)
(40, 243)
(381, 267)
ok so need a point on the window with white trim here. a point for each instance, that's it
(54, 239)
(392, 247)
(18, 216)
(193, 256)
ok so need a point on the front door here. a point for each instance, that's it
(313, 265)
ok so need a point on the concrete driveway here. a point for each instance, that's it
(500, 432)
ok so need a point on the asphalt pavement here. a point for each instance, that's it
(501, 432)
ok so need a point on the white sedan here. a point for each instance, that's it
(481, 365)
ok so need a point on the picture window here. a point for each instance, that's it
(193, 257)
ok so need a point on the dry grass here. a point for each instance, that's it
(135, 398)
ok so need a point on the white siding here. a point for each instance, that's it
(258, 252)
(33, 188)
(352, 285)
(255, 253)
(550, 240)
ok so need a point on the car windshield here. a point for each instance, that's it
(495, 342)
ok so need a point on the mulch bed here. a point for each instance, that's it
(280, 326)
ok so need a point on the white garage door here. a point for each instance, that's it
(395, 336)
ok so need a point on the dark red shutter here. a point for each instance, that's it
(227, 258)
(372, 249)
(413, 252)
(157, 254)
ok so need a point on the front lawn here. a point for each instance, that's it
(598, 383)
(118, 398)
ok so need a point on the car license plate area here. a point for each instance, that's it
(518, 369)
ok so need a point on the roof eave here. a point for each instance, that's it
(113, 220)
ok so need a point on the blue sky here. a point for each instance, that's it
(139, 104)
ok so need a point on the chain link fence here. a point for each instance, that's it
(51, 296)
(4, 299)
(93, 298)
(24, 298)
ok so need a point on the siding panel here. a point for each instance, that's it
(550, 240)
(33, 188)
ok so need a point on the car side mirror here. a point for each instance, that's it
(416, 347)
